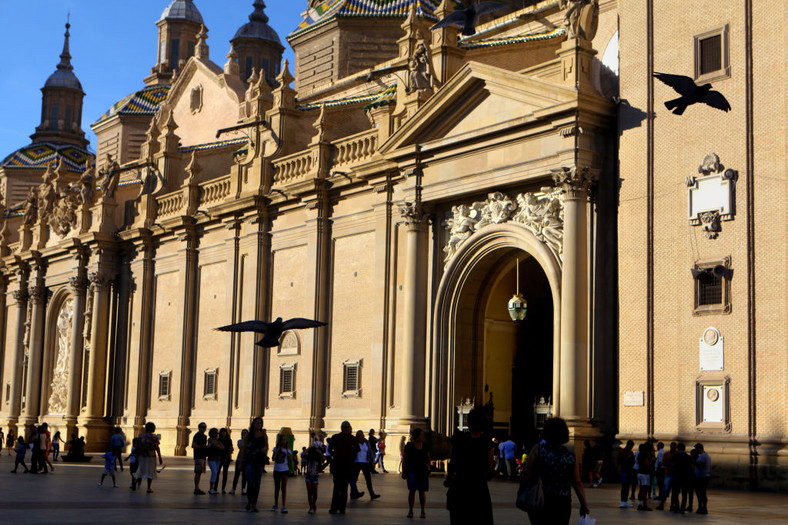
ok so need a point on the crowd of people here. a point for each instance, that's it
(650, 472)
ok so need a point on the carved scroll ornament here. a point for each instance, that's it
(540, 213)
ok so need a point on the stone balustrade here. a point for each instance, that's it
(355, 149)
(170, 204)
(292, 167)
(215, 190)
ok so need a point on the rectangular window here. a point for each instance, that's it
(209, 384)
(712, 286)
(266, 67)
(711, 55)
(165, 380)
(54, 116)
(287, 379)
(351, 379)
(248, 68)
(7, 393)
(67, 125)
(175, 53)
(162, 51)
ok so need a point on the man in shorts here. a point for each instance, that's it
(200, 446)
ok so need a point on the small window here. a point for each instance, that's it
(287, 379)
(711, 55)
(175, 53)
(351, 379)
(209, 384)
(54, 117)
(712, 286)
(165, 382)
(162, 51)
(264, 64)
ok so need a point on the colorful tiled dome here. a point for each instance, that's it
(258, 27)
(144, 102)
(330, 9)
(44, 153)
(182, 10)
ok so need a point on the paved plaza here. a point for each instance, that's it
(70, 495)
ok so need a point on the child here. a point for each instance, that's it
(21, 448)
(313, 465)
(109, 468)
(132, 459)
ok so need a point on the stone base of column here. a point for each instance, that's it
(580, 430)
(182, 436)
(406, 423)
(97, 433)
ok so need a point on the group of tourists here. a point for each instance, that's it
(44, 448)
(661, 474)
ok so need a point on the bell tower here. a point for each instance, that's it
(61, 105)
(178, 26)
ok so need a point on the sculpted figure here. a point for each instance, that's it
(581, 18)
(47, 195)
(553, 226)
(86, 185)
(31, 207)
(420, 76)
(110, 176)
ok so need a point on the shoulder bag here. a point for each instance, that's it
(530, 497)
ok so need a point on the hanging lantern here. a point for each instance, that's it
(518, 306)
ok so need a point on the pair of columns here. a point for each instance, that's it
(572, 401)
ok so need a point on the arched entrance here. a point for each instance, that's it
(479, 352)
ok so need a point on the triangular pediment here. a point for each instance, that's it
(480, 98)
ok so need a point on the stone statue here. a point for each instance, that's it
(461, 226)
(86, 186)
(47, 194)
(31, 207)
(110, 176)
(581, 18)
(420, 74)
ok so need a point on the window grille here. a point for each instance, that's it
(165, 381)
(351, 379)
(209, 384)
(712, 58)
(710, 54)
(287, 381)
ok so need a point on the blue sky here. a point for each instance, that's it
(113, 47)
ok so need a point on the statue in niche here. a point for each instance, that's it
(59, 388)
(109, 176)
(581, 18)
(31, 207)
(420, 75)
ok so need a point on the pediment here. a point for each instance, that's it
(479, 97)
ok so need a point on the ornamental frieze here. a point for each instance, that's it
(541, 213)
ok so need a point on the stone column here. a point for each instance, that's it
(21, 297)
(73, 400)
(573, 400)
(38, 296)
(415, 310)
(140, 379)
(95, 425)
(189, 350)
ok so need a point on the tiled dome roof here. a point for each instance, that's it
(182, 10)
(144, 102)
(42, 154)
(258, 27)
(330, 9)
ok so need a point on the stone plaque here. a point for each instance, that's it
(712, 350)
(634, 399)
(713, 404)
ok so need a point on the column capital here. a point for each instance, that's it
(37, 292)
(78, 284)
(575, 180)
(20, 296)
(414, 213)
(99, 280)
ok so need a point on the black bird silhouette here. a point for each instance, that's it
(273, 331)
(468, 18)
(691, 93)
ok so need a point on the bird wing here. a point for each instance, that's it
(300, 322)
(681, 84)
(455, 18)
(717, 100)
(246, 326)
(483, 8)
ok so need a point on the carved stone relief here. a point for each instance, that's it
(711, 197)
(60, 373)
(540, 213)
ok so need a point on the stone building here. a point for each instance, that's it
(403, 186)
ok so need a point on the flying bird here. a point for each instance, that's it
(691, 93)
(468, 18)
(273, 331)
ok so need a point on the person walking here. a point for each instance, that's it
(240, 468)
(509, 449)
(626, 463)
(149, 450)
(401, 453)
(20, 451)
(282, 456)
(45, 446)
(214, 456)
(381, 453)
(343, 448)
(702, 476)
(471, 466)
(373, 446)
(109, 468)
(254, 453)
(200, 447)
(416, 470)
(116, 444)
(363, 464)
(645, 463)
(313, 465)
(56, 441)
(227, 454)
(558, 469)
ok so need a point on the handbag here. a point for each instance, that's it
(530, 498)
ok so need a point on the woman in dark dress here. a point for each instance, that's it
(254, 455)
(416, 470)
(559, 471)
(472, 464)
(227, 454)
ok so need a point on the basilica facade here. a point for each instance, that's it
(416, 190)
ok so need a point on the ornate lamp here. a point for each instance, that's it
(518, 306)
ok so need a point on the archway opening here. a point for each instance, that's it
(496, 359)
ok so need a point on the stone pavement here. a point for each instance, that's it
(70, 495)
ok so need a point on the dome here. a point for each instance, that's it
(63, 78)
(182, 10)
(258, 27)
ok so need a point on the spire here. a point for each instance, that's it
(259, 12)
(65, 56)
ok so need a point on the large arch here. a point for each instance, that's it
(53, 346)
(471, 254)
